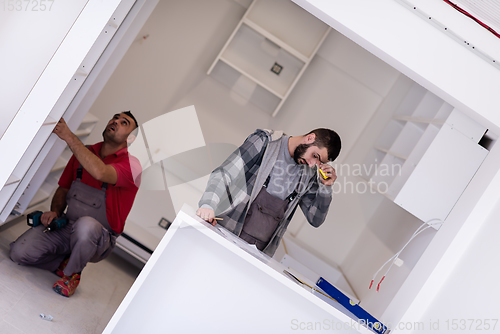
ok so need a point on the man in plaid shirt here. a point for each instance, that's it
(259, 186)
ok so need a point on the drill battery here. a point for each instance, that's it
(34, 219)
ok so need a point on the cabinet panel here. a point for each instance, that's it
(441, 176)
(436, 149)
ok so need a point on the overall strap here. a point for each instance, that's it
(79, 173)
(289, 198)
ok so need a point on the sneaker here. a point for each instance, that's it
(67, 285)
(60, 271)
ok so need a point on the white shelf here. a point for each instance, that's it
(390, 133)
(445, 111)
(408, 159)
(83, 132)
(372, 160)
(253, 53)
(40, 197)
(88, 122)
(270, 32)
(412, 99)
(391, 153)
(387, 171)
(12, 179)
(407, 139)
(87, 125)
(276, 40)
(244, 87)
(50, 121)
(251, 77)
(60, 164)
(428, 107)
(420, 120)
(289, 23)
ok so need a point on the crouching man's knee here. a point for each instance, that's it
(20, 252)
(87, 228)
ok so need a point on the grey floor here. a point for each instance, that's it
(26, 292)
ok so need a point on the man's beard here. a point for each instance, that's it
(299, 153)
(109, 137)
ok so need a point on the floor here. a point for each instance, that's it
(26, 292)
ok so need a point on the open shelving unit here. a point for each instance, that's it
(272, 35)
(418, 160)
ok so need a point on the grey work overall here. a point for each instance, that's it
(86, 238)
(263, 217)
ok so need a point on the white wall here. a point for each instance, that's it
(472, 286)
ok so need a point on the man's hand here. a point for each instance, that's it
(62, 130)
(207, 214)
(47, 217)
(329, 171)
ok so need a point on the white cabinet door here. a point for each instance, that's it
(442, 175)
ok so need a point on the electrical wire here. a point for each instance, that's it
(419, 230)
(472, 17)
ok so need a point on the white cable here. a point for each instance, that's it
(419, 230)
(395, 255)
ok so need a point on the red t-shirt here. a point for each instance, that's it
(120, 196)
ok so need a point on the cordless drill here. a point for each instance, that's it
(34, 219)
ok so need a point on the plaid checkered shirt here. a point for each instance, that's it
(230, 188)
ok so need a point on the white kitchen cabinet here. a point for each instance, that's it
(209, 268)
(268, 52)
(426, 155)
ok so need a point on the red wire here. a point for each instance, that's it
(472, 17)
(378, 286)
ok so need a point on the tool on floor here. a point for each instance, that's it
(34, 220)
(47, 317)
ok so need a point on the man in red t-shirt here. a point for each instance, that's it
(98, 187)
